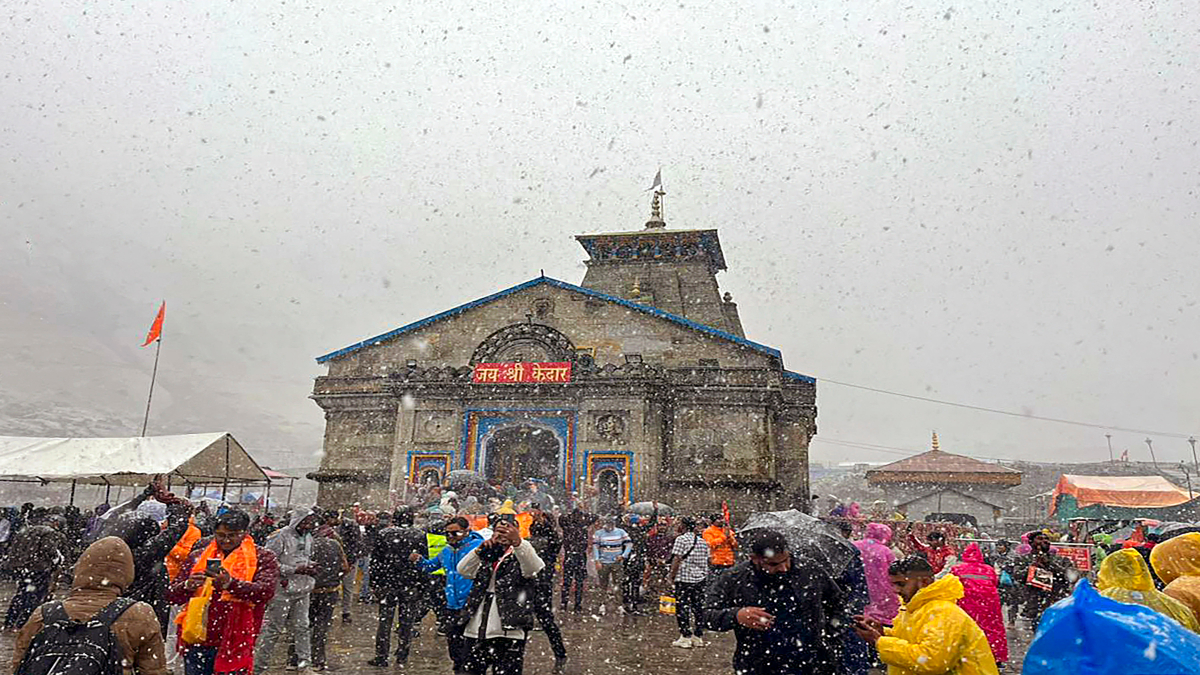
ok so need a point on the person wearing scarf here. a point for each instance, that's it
(241, 591)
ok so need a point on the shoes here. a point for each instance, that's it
(560, 665)
(697, 642)
(378, 662)
(683, 643)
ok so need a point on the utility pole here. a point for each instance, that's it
(1150, 444)
(1108, 437)
(1187, 474)
(1195, 464)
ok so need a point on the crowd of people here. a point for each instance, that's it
(234, 593)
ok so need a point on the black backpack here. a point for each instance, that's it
(65, 646)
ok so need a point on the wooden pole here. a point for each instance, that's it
(72, 493)
(225, 485)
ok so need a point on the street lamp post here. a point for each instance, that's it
(1188, 475)
(1150, 444)
(1108, 437)
(1192, 442)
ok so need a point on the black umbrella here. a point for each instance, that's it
(648, 508)
(807, 536)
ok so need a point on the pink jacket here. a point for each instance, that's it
(876, 557)
(981, 599)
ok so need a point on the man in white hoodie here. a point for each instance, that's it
(293, 546)
(499, 608)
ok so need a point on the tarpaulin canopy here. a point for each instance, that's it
(191, 458)
(1136, 492)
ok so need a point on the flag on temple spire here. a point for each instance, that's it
(657, 180)
(156, 327)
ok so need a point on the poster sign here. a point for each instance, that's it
(1080, 556)
(522, 373)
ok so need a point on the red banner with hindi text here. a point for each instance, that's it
(522, 373)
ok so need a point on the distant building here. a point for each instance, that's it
(637, 385)
(937, 482)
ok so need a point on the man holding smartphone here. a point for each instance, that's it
(499, 609)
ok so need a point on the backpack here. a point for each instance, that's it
(65, 646)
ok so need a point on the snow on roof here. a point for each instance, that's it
(193, 458)
(646, 309)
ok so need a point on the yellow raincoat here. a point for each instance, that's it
(933, 636)
(1177, 563)
(1124, 577)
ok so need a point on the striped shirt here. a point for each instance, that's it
(694, 553)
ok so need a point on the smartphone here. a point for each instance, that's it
(213, 567)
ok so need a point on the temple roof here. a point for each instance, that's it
(936, 466)
(655, 245)
(646, 309)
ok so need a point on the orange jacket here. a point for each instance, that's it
(720, 545)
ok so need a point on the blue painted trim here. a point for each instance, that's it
(645, 309)
(797, 376)
(630, 472)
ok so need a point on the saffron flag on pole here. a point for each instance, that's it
(156, 327)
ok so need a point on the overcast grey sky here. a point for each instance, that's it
(993, 203)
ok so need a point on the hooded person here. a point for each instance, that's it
(103, 572)
(1124, 577)
(877, 557)
(37, 554)
(932, 635)
(1177, 563)
(293, 547)
(151, 543)
(981, 598)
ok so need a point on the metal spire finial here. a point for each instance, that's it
(656, 217)
(935, 442)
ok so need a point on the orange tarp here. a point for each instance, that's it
(1125, 491)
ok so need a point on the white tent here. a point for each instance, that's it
(190, 458)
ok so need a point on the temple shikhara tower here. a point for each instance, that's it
(639, 383)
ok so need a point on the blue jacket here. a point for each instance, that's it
(457, 586)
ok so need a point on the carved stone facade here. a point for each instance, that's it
(666, 401)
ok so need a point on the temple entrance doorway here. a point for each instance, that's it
(518, 453)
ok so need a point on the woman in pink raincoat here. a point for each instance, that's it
(876, 557)
(981, 599)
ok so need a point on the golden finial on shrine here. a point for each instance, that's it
(635, 293)
(935, 442)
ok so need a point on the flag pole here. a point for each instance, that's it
(153, 376)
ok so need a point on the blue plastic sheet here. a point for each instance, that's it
(1088, 634)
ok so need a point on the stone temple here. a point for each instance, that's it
(639, 382)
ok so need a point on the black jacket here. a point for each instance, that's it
(515, 593)
(392, 574)
(575, 527)
(150, 547)
(809, 613)
(547, 542)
